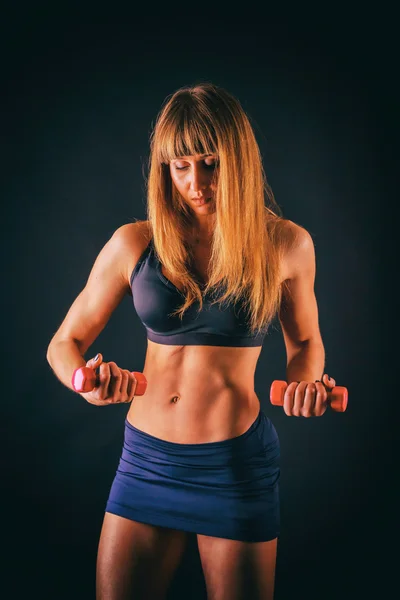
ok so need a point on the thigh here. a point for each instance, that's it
(235, 570)
(136, 559)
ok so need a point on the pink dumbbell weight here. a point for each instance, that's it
(337, 397)
(85, 379)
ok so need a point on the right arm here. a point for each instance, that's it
(107, 285)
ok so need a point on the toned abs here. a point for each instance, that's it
(196, 394)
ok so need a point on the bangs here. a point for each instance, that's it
(185, 133)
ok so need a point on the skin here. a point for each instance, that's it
(216, 400)
(192, 177)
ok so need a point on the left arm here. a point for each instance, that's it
(298, 314)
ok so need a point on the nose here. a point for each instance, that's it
(198, 179)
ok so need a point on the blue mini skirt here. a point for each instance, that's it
(225, 489)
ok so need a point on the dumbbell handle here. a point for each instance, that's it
(84, 379)
(337, 397)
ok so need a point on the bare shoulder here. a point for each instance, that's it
(107, 285)
(298, 249)
(133, 239)
(133, 233)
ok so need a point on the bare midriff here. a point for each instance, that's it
(197, 394)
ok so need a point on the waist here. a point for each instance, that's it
(195, 414)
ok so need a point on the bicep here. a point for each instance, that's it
(298, 314)
(105, 288)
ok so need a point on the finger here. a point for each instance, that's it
(328, 381)
(288, 398)
(299, 398)
(320, 399)
(308, 408)
(95, 362)
(104, 377)
(114, 388)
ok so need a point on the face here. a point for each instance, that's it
(193, 178)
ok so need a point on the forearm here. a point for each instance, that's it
(307, 363)
(64, 357)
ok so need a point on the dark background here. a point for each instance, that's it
(80, 97)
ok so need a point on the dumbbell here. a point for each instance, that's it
(337, 397)
(85, 379)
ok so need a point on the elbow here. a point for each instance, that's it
(293, 348)
(314, 341)
(315, 338)
(48, 353)
(50, 349)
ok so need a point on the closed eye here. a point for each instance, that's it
(208, 167)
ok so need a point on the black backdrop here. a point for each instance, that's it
(80, 96)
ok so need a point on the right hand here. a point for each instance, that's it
(116, 385)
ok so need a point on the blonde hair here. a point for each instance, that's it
(246, 251)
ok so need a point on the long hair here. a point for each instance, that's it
(246, 248)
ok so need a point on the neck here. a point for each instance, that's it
(201, 238)
(202, 233)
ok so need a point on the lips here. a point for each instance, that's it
(201, 201)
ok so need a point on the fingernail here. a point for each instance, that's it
(96, 357)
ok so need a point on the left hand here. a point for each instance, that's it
(307, 399)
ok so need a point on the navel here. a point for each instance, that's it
(175, 399)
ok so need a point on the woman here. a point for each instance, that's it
(208, 271)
